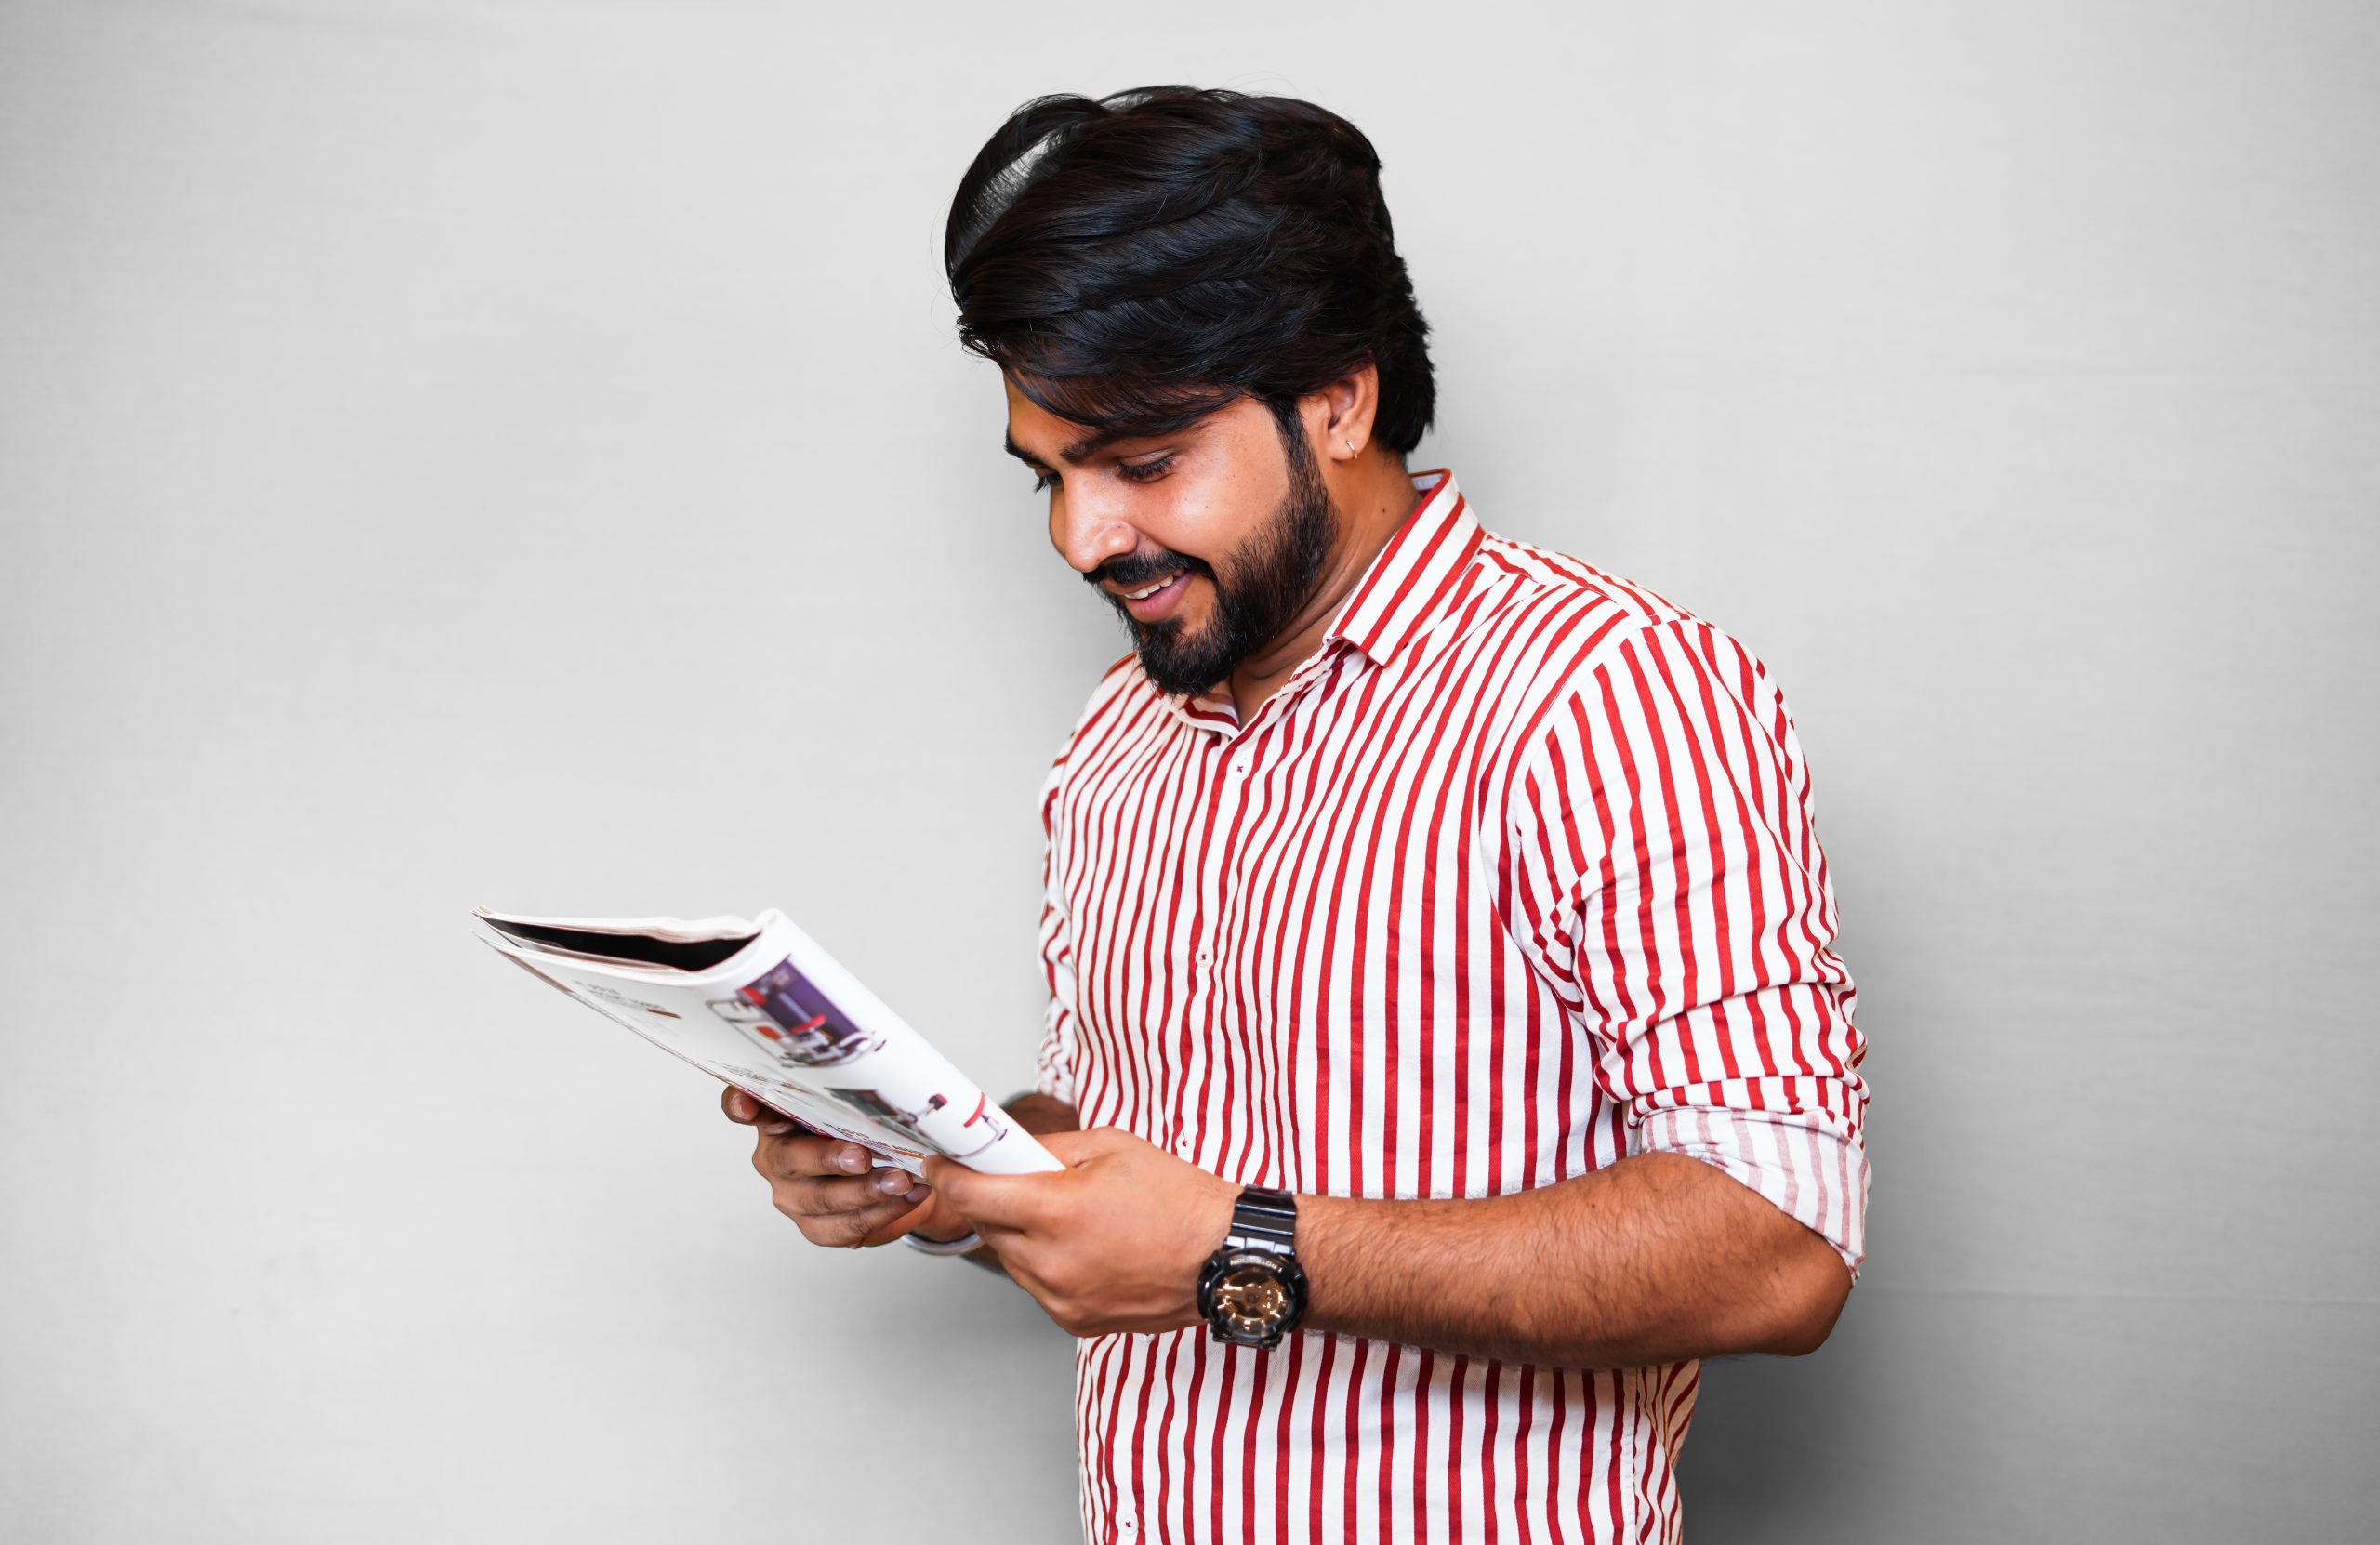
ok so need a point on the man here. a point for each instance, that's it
(1444, 1039)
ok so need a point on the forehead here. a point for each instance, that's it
(1035, 428)
(1045, 437)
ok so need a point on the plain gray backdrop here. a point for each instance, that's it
(461, 451)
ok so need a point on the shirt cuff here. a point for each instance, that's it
(1812, 1168)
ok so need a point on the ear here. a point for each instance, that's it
(1338, 417)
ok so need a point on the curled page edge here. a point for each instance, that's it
(786, 1023)
(673, 929)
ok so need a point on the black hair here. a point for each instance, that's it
(1136, 262)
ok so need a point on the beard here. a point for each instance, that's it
(1262, 585)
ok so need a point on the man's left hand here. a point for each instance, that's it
(1113, 1242)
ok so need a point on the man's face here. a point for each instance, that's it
(1208, 540)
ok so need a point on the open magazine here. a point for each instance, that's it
(761, 1005)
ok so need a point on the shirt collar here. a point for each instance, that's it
(1398, 598)
(1400, 594)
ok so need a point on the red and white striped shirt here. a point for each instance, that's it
(1515, 877)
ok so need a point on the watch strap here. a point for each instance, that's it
(1264, 1221)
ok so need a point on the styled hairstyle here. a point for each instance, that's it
(1136, 262)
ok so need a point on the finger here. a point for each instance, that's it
(746, 1109)
(852, 1229)
(904, 1222)
(851, 1193)
(784, 1157)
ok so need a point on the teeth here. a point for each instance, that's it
(1143, 595)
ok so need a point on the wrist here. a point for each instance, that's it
(1252, 1290)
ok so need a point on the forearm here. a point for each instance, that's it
(1656, 1258)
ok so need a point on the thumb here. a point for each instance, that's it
(987, 1201)
(953, 1182)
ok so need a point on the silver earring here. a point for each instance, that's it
(1351, 447)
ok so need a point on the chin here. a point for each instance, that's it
(1175, 663)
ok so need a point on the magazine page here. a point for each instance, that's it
(780, 1019)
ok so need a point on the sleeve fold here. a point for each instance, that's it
(1672, 892)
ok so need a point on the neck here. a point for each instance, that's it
(1372, 495)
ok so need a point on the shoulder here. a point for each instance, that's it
(1573, 613)
(1597, 656)
(1553, 621)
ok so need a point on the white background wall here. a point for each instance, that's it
(476, 451)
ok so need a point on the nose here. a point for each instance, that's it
(1087, 530)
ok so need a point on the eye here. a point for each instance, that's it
(1144, 471)
(1043, 483)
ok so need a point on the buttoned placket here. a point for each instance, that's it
(1231, 758)
(1217, 802)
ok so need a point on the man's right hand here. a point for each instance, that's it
(828, 1187)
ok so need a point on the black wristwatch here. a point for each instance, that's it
(1252, 1292)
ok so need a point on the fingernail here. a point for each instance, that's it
(918, 1194)
(777, 1129)
(853, 1159)
(892, 1182)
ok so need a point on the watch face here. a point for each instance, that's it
(1251, 1297)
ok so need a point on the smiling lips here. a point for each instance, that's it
(1155, 602)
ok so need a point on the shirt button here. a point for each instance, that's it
(1127, 1525)
(1240, 767)
(1206, 958)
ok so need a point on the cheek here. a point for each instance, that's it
(1205, 518)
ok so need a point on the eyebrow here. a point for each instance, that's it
(1070, 454)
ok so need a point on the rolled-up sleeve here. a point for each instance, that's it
(1670, 889)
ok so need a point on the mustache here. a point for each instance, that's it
(1135, 570)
